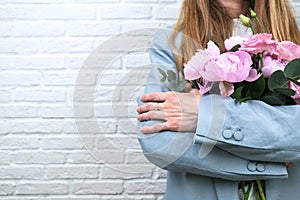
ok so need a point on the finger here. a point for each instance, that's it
(149, 106)
(154, 128)
(152, 115)
(155, 96)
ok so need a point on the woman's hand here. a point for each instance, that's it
(178, 111)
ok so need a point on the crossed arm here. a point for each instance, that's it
(237, 135)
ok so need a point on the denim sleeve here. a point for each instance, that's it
(252, 130)
(190, 152)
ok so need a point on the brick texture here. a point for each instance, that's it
(70, 74)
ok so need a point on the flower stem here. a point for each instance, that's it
(260, 189)
(252, 29)
(261, 60)
(260, 24)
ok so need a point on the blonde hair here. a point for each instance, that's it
(202, 20)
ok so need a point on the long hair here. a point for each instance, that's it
(202, 20)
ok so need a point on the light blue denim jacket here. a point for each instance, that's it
(233, 142)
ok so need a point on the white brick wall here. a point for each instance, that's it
(43, 45)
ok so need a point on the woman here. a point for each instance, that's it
(209, 144)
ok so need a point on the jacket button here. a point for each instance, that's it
(238, 135)
(227, 134)
(251, 166)
(260, 167)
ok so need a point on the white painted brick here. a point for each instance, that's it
(39, 157)
(128, 126)
(126, 171)
(5, 158)
(93, 29)
(98, 187)
(159, 173)
(38, 126)
(5, 96)
(19, 46)
(127, 77)
(81, 197)
(144, 187)
(20, 78)
(119, 142)
(151, 1)
(72, 172)
(107, 94)
(70, 142)
(166, 12)
(47, 12)
(30, 1)
(65, 112)
(6, 62)
(104, 126)
(297, 9)
(23, 197)
(41, 188)
(65, 45)
(37, 29)
(18, 111)
(5, 29)
(6, 189)
(22, 172)
(93, 1)
(131, 197)
(4, 127)
(39, 95)
(18, 142)
(69, 78)
(135, 156)
(38, 62)
(43, 45)
(124, 12)
(92, 156)
(136, 60)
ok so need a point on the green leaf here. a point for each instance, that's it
(274, 99)
(171, 75)
(292, 70)
(285, 91)
(180, 87)
(237, 94)
(162, 72)
(277, 80)
(296, 82)
(235, 48)
(256, 88)
(163, 79)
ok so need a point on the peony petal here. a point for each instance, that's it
(253, 75)
(199, 59)
(232, 41)
(203, 89)
(191, 72)
(212, 49)
(226, 88)
(210, 72)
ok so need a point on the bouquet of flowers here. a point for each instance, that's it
(255, 68)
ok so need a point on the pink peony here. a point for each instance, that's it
(232, 41)
(230, 67)
(287, 50)
(296, 88)
(271, 65)
(192, 68)
(226, 89)
(259, 43)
